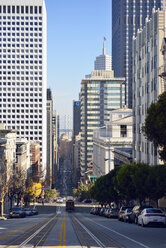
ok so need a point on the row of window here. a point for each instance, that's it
(22, 72)
(20, 34)
(22, 45)
(21, 9)
(21, 23)
(25, 121)
(20, 29)
(20, 62)
(21, 116)
(20, 18)
(20, 100)
(18, 106)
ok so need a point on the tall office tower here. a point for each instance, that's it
(127, 17)
(104, 61)
(55, 138)
(100, 94)
(49, 137)
(76, 117)
(23, 34)
(76, 131)
(147, 85)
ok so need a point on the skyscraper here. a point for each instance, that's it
(49, 137)
(147, 85)
(127, 17)
(76, 118)
(104, 61)
(23, 34)
(100, 94)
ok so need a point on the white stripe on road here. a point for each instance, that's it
(122, 235)
(91, 234)
(33, 235)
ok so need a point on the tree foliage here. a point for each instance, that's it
(155, 125)
(50, 194)
(136, 181)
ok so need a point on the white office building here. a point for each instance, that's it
(103, 62)
(23, 33)
(115, 134)
(147, 85)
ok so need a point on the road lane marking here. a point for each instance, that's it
(91, 234)
(14, 231)
(120, 234)
(33, 235)
(63, 233)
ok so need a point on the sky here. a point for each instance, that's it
(75, 33)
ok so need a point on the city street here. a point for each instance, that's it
(54, 227)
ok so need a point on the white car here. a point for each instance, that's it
(59, 200)
(151, 216)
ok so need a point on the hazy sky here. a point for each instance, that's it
(76, 29)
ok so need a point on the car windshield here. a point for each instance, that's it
(151, 211)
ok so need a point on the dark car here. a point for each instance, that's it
(17, 212)
(133, 218)
(87, 201)
(34, 210)
(28, 211)
(97, 211)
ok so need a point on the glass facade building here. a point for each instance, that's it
(99, 95)
(127, 17)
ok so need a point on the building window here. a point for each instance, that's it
(31, 9)
(40, 9)
(22, 9)
(123, 131)
(13, 9)
(8, 9)
(4, 9)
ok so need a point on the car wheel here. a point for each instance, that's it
(142, 224)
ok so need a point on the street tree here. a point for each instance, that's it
(125, 185)
(51, 194)
(155, 183)
(139, 179)
(155, 125)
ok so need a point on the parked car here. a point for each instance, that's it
(28, 211)
(126, 215)
(87, 201)
(102, 210)
(34, 210)
(106, 212)
(136, 212)
(152, 216)
(59, 200)
(17, 212)
(121, 211)
(113, 213)
(97, 210)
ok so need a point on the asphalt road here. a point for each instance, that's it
(54, 227)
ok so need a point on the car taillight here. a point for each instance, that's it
(147, 215)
